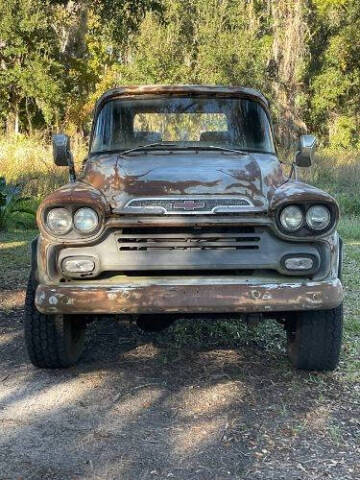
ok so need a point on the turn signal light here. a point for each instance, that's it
(299, 263)
(77, 265)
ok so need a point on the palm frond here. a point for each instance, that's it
(14, 209)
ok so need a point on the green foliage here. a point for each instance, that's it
(14, 210)
(334, 92)
(30, 72)
(324, 6)
(343, 132)
(123, 16)
(58, 56)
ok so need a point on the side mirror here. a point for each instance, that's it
(61, 150)
(305, 151)
(62, 153)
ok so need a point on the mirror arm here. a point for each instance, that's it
(72, 174)
(293, 171)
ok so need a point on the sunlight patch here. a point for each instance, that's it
(192, 437)
(12, 299)
(210, 399)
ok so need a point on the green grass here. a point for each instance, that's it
(15, 258)
(351, 280)
(349, 227)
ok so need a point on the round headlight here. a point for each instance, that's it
(86, 220)
(59, 221)
(318, 217)
(291, 218)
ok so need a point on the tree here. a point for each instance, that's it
(58, 56)
(30, 75)
(334, 85)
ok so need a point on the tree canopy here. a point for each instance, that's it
(58, 56)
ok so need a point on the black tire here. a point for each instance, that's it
(52, 341)
(314, 338)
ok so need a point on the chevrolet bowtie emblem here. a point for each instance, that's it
(188, 205)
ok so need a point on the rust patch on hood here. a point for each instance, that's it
(181, 173)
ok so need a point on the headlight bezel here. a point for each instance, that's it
(306, 231)
(73, 234)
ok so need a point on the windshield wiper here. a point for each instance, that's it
(183, 147)
(175, 146)
(146, 147)
(215, 147)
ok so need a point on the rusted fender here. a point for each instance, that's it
(73, 195)
(299, 192)
(189, 297)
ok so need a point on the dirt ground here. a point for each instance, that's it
(203, 400)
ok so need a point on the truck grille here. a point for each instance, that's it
(188, 205)
(188, 238)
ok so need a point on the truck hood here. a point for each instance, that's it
(163, 174)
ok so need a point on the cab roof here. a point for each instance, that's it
(134, 90)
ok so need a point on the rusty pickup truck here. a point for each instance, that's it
(182, 207)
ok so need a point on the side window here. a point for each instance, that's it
(256, 126)
(104, 127)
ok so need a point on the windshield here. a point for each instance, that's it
(185, 122)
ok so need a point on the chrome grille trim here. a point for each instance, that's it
(185, 205)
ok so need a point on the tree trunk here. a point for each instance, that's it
(28, 116)
(72, 32)
(289, 51)
(13, 120)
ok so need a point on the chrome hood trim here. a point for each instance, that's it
(188, 205)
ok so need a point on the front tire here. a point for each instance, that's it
(314, 339)
(52, 341)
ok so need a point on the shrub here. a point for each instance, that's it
(14, 210)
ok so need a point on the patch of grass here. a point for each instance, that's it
(27, 160)
(339, 174)
(351, 280)
(15, 258)
(234, 332)
(335, 433)
(349, 227)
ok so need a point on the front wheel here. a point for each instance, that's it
(52, 341)
(314, 338)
